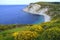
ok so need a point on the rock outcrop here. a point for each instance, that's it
(36, 9)
(32, 8)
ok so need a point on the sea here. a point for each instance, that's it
(14, 14)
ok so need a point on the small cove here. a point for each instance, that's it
(13, 14)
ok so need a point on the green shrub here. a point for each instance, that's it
(25, 35)
(53, 23)
(6, 37)
(51, 34)
(36, 28)
(6, 27)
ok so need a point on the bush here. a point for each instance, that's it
(26, 35)
(51, 34)
(6, 27)
(53, 23)
(6, 37)
(36, 28)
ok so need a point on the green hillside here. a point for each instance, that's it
(44, 31)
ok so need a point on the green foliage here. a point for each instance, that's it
(6, 37)
(51, 34)
(7, 27)
(53, 23)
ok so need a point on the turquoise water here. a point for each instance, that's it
(13, 14)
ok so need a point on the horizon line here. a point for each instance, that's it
(20, 4)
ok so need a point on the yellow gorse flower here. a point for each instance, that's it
(15, 34)
(25, 35)
(36, 28)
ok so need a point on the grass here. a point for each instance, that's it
(6, 35)
(14, 30)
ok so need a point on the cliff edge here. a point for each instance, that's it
(36, 9)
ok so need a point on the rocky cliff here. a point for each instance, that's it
(36, 9)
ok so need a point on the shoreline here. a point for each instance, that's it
(40, 12)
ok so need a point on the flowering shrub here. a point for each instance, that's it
(51, 34)
(26, 35)
(15, 34)
(36, 28)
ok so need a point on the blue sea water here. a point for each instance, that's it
(13, 14)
